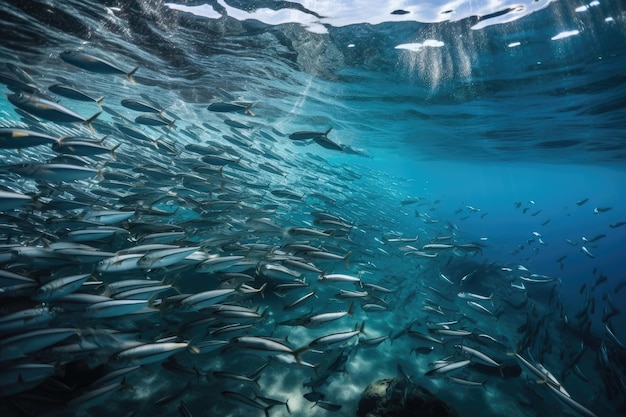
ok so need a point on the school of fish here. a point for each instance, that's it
(149, 264)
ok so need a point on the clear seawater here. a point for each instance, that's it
(497, 130)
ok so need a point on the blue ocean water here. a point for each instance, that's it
(498, 126)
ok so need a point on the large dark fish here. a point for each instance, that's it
(324, 142)
(74, 93)
(304, 135)
(141, 106)
(13, 138)
(92, 63)
(223, 107)
(48, 110)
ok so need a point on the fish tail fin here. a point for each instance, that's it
(193, 348)
(297, 354)
(327, 132)
(287, 405)
(90, 120)
(262, 289)
(45, 242)
(351, 309)
(112, 151)
(199, 373)
(35, 200)
(346, 259)
(174, 284)
(99, 102)
(256, 381)
(248, 111)
(130, 75)
(125, 385)
(362, 328)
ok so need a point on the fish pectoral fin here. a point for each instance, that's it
(130, 75)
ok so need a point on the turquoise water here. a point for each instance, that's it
(488, 124)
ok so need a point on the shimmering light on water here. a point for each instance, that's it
(565, 34)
